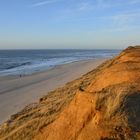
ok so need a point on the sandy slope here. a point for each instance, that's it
(108, 108)
(103, 104)
(16, 93)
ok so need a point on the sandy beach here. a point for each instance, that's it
(16, 92)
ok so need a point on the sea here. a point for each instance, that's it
(25, 62)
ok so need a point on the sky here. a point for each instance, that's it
(69, 24)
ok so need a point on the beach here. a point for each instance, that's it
(17, 92)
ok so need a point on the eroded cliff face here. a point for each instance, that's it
(104, 104)
(107, 108)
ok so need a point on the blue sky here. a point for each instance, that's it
(94, 24)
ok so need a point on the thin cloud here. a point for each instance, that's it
(134, 2)
(123, 18)
(85, 6)
(44, 3)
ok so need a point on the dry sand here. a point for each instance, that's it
(16, 92)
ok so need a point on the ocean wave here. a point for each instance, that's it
(15, 65)
(27, 62)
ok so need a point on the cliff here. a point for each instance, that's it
(104, 104)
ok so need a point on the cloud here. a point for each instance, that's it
(134, 2)
(122, 22)
(111, 3)
(122, 19)
(105, 4)
(41, 3)
(84, 6)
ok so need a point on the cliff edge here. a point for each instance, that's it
(104, 104)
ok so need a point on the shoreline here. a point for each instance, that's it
(17, 92)
(16, 76)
